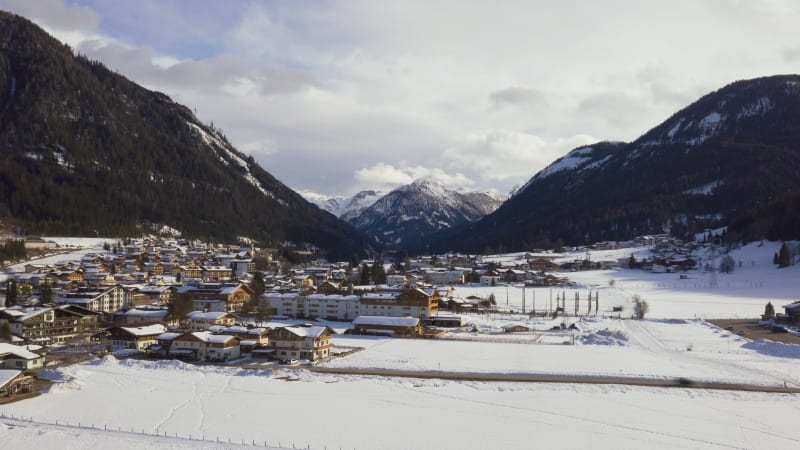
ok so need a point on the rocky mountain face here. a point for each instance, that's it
(730, 158)
(405, 216)
(84, 150)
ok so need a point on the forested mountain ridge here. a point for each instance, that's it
(83, 150)
(730, 158)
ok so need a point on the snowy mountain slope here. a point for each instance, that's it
(409, 213)
(730, 158)
(109, 155)
(343, 207)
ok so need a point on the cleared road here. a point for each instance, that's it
(556, 378)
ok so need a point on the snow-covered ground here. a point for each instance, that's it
(741, 294)
(297, 408)
(652, 349)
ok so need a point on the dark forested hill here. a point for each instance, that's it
(730, 158)
(85, 150)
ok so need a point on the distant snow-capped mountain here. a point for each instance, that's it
(342, 207)
(409, 213)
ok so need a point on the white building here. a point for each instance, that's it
(289, 304)
(332, 307)
(444, 277)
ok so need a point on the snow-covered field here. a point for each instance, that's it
(296, 408)
(323, 411)
(741, 294)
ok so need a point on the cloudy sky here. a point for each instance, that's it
(338, 96)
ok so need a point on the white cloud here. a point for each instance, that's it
(329, 96)
(518, 96)
(509, 155)
(54, 14)
(382, 176)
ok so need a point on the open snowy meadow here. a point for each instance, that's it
(110, 403)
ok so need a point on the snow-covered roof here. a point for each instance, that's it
(211, 338)
(147, 313)
(290, 296)
(168, 336)
(19, 352)
(211, 315)
(792, 305)
(381, 296)
(312, 332)
(386, 321)
(33, 313)
(7, 375)
(334, 297)
(146, 330)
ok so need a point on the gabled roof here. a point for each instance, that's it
(311, 332)
(148, 330)
(211, 315)
(8, 375)
(207, 337)
(17, 351)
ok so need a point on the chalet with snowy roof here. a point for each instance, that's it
(190, 272)
(19, 357)
(205, 346)
(141, 316)
(103, 300)
(201, 320)
(228, 297)
(308, 343)
(163, 343)
(134, 338)
(253, 335)
(793, 312)
(329, 287)
(159, 295)
(49, 325)
(14, 382)
(304, 280)
(389, 326)
(412, 302)
(216, 274)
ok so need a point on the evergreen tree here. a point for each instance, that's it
(11, 292)
(259, 287)
(364, 278)
(784, 259)
(181, 305)
(5, 331)
(378, 273)
(769, 310)
(46, 293)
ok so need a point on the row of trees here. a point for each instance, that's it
(13, 250)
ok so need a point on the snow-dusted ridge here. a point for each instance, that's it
(227, 155)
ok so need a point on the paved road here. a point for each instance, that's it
(556, 378)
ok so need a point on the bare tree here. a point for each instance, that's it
(640, 307)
